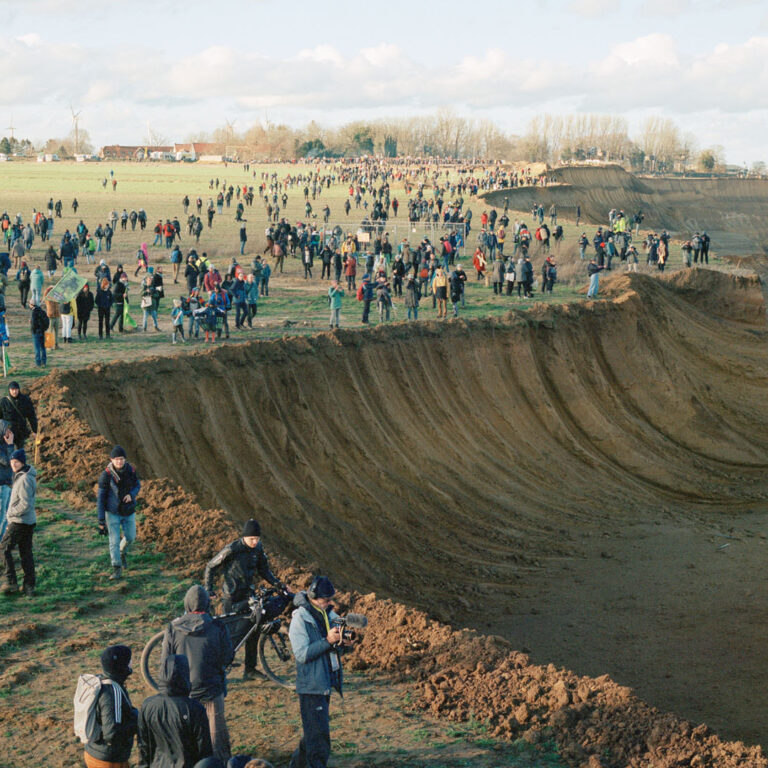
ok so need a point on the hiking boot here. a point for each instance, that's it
(117, 573)
(123, 560)
(9, 589)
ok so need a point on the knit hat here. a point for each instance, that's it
(116, 661)
(19, 455)
(251, 528)
(117, 452)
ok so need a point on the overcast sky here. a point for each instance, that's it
(187, 66)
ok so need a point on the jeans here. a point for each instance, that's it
(315, 746)
(214, 710)
(413, 311)
(117, 545)
(118, 318)
(35, 295)
(147, 313)
(40, 355)
(18, 535)
(194, 324)
(242, 247)
(594, 285)
(5, 497)
(335, 316)
(241, 314)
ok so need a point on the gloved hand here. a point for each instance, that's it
(103, 529)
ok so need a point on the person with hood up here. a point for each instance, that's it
(239, 563)
(208, 648)
(21, 517)
(317, 646)
(116, 718)
(116, 504)
(173, 728)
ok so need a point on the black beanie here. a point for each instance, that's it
(251, 528)
(116, 661)
(14, 385)
(117, 451)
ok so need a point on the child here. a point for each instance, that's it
(177, 321)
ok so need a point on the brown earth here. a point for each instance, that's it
(732, 211)
(468, 471)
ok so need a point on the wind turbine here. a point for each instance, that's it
(76, 124)
(11, 128)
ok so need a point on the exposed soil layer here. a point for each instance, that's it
(551, 429)
(730, 210)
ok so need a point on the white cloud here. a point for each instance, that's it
(592, 8)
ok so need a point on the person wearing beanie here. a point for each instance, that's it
(21, 517)
(207, 645)
(17, 408)
(116, 717)
(173, 729)
(317, 645)
(116, 505)
(239, 562)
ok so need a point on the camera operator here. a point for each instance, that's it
(317, 646)
(239, 562)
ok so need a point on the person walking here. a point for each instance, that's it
(335, 294)
(18, 411)
(118, 488)
(239, 562)
(116, 718)
(208, 648)
(21, 518)
(173, 728)
(317, 647)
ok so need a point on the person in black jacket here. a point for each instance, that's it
(17, 409)
(103, 303)
(115, 716)
(173, 729)
(208, 648)
(84, 304)
(118, 299)
(239, 562)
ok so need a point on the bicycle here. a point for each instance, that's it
(263, 614)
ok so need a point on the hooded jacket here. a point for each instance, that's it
(311, 650)
(21, 413)
(117, 720)
(21, 507)
(173, 729)
(205, 643)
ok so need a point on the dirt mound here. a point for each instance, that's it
(444, 466)
(730, 210)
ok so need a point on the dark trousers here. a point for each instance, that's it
(241, 315)
(252, 308)
(103, 321)
(251, 644)
(118, 318)
(315, 746)
(18, 535)
(82, 325)
(366, 309)
(24, 291)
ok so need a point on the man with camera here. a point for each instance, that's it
(239, 562)
(317, 640)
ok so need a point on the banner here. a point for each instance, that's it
(68, 287)
(128, 321)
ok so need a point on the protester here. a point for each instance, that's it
(335, 294)
(18, 411)
(239, 562)
(208, 648)
(21, 517)
(593, 270)
(118, 488)
(173, 728)
(116, 718)
(84, 303)
(317, 647)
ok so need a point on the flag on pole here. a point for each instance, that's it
(128, 321)
(6, 360)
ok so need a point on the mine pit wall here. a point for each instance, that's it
(732, 211)
(440, 464)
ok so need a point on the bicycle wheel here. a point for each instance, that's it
(277, 661)
(155, 643)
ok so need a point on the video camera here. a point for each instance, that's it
(349, 624)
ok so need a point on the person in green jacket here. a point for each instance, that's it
(335, 294)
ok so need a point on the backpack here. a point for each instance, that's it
(86, 696)
(360, 292)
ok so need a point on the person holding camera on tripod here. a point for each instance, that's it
(239, 563)
(317, 645)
